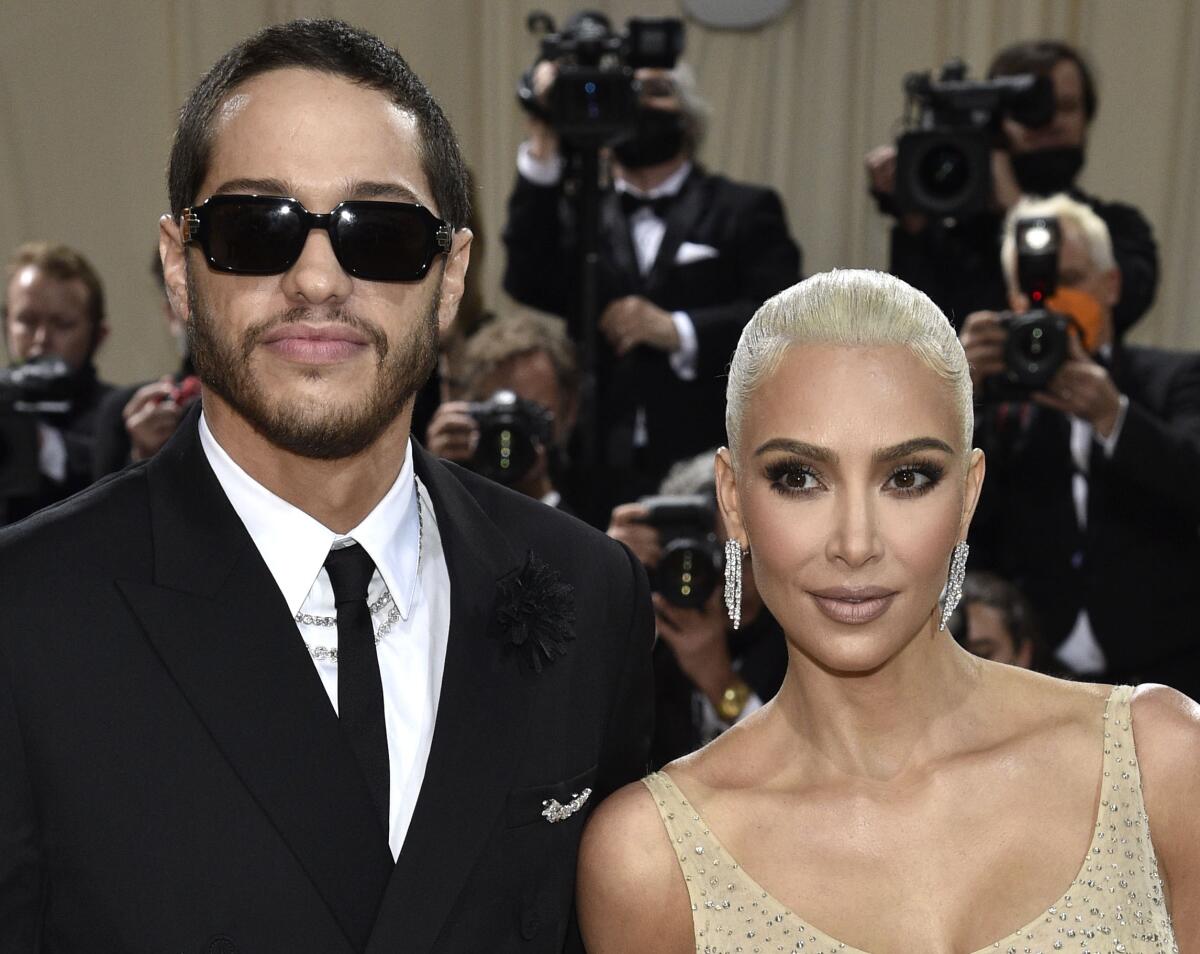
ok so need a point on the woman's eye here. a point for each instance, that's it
(792, 479)
(912, 480)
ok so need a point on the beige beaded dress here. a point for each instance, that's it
(1114, 906)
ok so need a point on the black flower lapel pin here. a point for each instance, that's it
(536, 612)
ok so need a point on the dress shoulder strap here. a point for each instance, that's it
(1123, 828)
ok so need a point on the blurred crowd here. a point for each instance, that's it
(599, 389)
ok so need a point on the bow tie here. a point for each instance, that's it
(659, 205)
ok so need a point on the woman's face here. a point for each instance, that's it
(849, 491)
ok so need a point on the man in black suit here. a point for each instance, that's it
(686, 258)
(1090, 504)
(53, 308)
(294, 685)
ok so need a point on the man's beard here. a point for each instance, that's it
(310, 430)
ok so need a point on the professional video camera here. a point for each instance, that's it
(944, 160)
(1037, 343)
(43, 386)
(511, 431)
(594, 97)
(691, 562)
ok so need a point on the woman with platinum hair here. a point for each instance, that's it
(899, 794)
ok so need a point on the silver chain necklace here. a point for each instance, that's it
(330, 654)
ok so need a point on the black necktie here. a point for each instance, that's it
(631, 203)
(360, 689)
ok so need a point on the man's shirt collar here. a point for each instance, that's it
(669, 186)
(294, 545)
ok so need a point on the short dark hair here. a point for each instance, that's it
(988, 589)
(63, 263)
(1040, 57)
(327, 46)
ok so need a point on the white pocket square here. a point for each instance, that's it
(693, 252)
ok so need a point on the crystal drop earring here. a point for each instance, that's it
(733, 581)
(954, 586)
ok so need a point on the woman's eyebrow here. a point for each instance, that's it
(905, 448)
(814, 452)
(824, 455)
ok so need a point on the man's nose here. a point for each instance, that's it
(317, 277)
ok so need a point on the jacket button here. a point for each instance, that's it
(530, 925)
(222, 945)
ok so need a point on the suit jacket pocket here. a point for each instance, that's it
(527, 805)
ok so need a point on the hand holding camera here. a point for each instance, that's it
(452, 433)
(1084, 389)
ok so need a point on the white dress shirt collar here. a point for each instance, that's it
(669, 186)
(294, 545)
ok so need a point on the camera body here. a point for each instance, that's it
(692, 562)
(1037, 341)
(511, 431)
(595, 96)
(42, 387)
(944, 161)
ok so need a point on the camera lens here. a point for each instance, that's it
(944, 170)
(687, 574)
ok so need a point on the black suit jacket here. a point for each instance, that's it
(1136, 565)
(174, 779)
(755, 258)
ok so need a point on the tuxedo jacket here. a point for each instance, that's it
(174, 780)
(726, 250)
(1136, 565)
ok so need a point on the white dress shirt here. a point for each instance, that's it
(412, 654)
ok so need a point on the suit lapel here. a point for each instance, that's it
(683, 214)
(482, 714)
(219, 623)
(623, 271)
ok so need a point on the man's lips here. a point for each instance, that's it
(315, 344)
(853, 604)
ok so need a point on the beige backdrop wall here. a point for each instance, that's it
(89, 91)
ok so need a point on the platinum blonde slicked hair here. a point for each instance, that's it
(852, 308)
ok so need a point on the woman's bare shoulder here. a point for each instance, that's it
(630, 892)
(1166, 731)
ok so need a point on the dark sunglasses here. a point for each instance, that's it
(265, 234)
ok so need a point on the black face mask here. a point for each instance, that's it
(656, 137)
(1047, 171)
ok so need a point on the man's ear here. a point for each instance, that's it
(174, 262)
(454, 279)
(727, 498)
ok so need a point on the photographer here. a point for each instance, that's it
(956, 262)
(707, 675)
(686, 257)
(1090, 505)
(134, 422)
(528, 355)
(53, 311)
